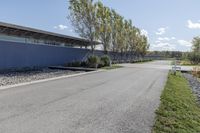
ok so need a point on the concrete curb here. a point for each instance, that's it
(48, 79)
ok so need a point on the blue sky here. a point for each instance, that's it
(169, 24)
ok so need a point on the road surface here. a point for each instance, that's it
(117, 101)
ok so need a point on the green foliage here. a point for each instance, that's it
(94, 21)
(105, 60)
(185, 62)
(169, 54)
(196, 44)
(179, 111)
(77, 64)
(93, 61)
(83, 18)
(103, 26)
(84, 64)
(194, 57)
(112, 67)
(141, 60)
(74, 64)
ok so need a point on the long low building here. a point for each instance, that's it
(16, 33)
(22, 47)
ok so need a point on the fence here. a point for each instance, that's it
(20, 55)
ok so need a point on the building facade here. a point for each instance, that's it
(22, 47)
(21, 34)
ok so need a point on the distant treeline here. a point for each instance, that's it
(168, 54)
(193, 56)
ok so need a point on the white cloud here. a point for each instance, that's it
(185, 43)
(161, 44)
(161, 30)
(60, 27)
(164, 46)
(145, 33)
(159, 39)
(192, 25)
(173, 38)
(163, 39)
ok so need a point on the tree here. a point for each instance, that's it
(94, 21)
(129, 38)
(196, 44)
(104, 26)
(120, 34)
(83, 18)
(194, 57)
(114, 18)
(126, 31)
(144, 45)
(133, 38)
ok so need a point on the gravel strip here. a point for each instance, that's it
(194, 83)
(11, 78)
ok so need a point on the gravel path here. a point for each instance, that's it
(10, 78)
(194, 83)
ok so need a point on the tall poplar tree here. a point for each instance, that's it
(83, 18)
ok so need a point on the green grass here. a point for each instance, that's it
(112, 67)
(184, 63)
(179, 111)
(141, 61)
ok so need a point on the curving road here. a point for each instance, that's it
(116, 101)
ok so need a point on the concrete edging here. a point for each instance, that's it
(48, 79)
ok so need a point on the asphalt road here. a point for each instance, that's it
(116, 101)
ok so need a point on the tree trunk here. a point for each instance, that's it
(92, 45)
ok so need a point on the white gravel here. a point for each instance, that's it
(194, 83)
(10, 78)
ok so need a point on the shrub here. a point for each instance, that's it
(84, 64)
(101, 64)
(194, 57)
(93, 61)
(105, 60)
(141, 60)
(196, 72)
(74, 64)
(185, 62)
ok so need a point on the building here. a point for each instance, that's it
(23, 47)
(16, 33)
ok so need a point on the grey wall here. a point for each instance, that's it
(17, 55)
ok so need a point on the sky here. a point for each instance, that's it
(169, 24)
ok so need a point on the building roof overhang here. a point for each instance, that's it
(21, 31)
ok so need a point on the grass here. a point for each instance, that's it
(184, 63)
(141, 61)
(115, 66)
(179, 111)
(187, 63)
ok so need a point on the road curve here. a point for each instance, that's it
(116, 101)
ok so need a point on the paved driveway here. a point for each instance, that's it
(115, 101)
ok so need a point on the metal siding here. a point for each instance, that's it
(17, 55)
